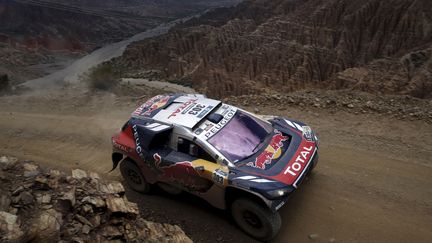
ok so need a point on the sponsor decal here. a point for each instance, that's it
(272, 152)
(221, 124)
(205, 111)
(121, 147)
(208, 126)
(153, 104)
(138, 149)
(179, 172)
(300, 162)
(184, 108)
(219, 176)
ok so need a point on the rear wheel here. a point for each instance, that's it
(134, 177)
(256, 220)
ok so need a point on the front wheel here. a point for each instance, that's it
(134, 177)
(256, 220)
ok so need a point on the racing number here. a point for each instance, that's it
(197, 109)
(218, 176)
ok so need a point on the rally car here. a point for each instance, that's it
(230, 157)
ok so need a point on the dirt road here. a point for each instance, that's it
(373, 182)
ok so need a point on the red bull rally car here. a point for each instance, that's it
(232, 158)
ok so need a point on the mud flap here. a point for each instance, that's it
(115, 164)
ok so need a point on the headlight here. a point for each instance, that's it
(279, 192)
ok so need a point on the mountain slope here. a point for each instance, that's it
(369, 45)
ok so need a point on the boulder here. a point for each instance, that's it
(121, 205)
(95, 201)
(112, 188)
(69, 197)
(79, 174)
(9, 228)
(49, 223)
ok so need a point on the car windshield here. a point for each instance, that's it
(241, 137)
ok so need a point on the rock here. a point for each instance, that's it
(9, 227)
(90, 214)
(332, 240)
(26, 198)
(79, 174)
(111, 232)
(6, 161)
(41, 183)
(95, 220)
(18, 190)
(120, 205)
(350, 106)
(256, 110)
(54, 173)
(30, 167)
(164, 232)
(77, 240)
(5, 202)
(69, 197)
(96, 202)
(113, 188)
(83, 220)
(313, 236)
(87, 209)
(86, 229)
(94, 176)
(49, 224)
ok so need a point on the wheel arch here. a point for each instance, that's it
(117, 158)
(233, 193)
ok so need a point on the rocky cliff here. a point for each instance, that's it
(285, 45)
(38, 205)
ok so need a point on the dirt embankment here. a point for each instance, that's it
(372, 182)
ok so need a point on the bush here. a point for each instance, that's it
(102, 77)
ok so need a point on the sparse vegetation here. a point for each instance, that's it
(102, 77)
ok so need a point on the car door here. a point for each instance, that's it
(191, 167)
(177, 168)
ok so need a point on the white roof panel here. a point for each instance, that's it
(187, 110)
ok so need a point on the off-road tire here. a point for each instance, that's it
(267, 223)
(134, 177)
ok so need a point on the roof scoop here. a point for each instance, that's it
(215, 118)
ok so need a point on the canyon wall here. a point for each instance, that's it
(369, 45)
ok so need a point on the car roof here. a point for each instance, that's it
(185, 110)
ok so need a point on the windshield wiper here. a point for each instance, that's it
(253, 150)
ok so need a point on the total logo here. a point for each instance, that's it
(300, 162)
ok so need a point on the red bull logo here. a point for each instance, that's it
(153, 104)
(180, 172)
(272, 152)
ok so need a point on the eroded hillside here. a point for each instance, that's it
(375, 46)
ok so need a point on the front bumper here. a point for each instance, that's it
(275, 205)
